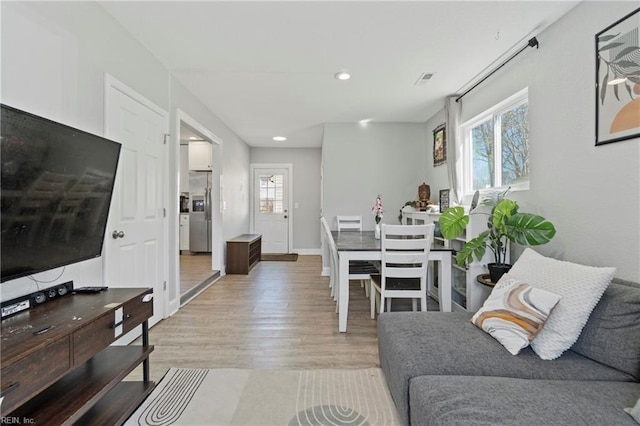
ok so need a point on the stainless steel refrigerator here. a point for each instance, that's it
(200, 212)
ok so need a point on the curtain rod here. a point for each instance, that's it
(533, 42)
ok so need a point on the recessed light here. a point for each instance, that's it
(343, 75)
(193, 138)
(279, 138)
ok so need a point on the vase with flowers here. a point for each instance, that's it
(377, 214)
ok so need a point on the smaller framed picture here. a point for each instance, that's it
(444, 200)
(439, 146)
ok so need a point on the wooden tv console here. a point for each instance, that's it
(58, 366)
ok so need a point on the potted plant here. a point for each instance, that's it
(505, 223)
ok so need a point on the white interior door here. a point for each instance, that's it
(135, 236)
(271, 208)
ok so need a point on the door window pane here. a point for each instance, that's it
(271, 193)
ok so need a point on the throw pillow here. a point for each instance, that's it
(579, 286)
(515, 313)
(634, 412)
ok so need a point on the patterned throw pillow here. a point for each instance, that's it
(580, 287)
(515, 313)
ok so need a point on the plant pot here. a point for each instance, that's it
(497, 271)
(377, 231)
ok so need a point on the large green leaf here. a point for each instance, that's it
(453, 222)
(529, 229)
(503, 211)
(473, 248)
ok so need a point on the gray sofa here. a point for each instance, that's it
(443, 370)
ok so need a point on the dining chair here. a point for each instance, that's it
(328, 238)
(349, 223)
(356, 271)
(354, 223)
(404, 260)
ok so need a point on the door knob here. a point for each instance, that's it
(117, 234)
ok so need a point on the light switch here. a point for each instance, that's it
(296, 205)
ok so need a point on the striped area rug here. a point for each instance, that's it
(268, 397)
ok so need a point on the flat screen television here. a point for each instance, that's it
(56, 187)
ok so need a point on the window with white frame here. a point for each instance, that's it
(496, 146)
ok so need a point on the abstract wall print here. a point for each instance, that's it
(439, 146)
(618, 80)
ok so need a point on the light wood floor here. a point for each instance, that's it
(194, 268)
(280, 316)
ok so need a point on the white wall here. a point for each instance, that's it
(54, 59)
(591, 194)
(306, 191)
(361, 161)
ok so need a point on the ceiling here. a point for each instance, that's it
(267, 68)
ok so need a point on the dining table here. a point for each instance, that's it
(354, 246)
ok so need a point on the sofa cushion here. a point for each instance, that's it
(514, 313)
(456, 400)
(413, 344)
(614, 323)
(579, 286)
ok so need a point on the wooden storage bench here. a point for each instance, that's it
(243, 253)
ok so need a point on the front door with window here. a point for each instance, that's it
(271, 205)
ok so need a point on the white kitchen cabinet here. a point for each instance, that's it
(184, 231)
(200, 156)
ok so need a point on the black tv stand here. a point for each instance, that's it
(70, 373)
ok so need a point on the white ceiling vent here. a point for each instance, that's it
(424, 77)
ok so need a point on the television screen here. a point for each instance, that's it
(56, 190)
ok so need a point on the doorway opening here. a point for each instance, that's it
(199, 198)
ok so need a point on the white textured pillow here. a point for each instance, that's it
(514, 313)
(634, 412)
(579, 286)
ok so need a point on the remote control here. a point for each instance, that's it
(90, 289)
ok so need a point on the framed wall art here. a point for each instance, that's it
(439, 146)
(618, 80)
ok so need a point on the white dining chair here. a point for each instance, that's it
(357, 271)
(328, 238)
(405, 253)
(350, 224)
